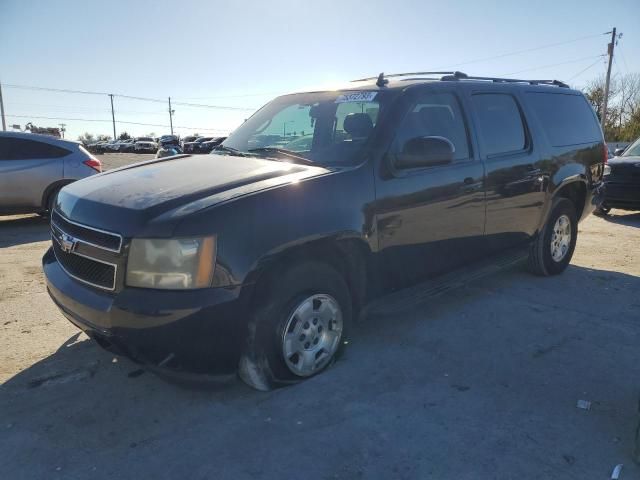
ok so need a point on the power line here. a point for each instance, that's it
(584, 70)
(555, 64)
(117, 121)
(518, 52)
(130, 97)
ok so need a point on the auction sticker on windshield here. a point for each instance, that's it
(356, 97)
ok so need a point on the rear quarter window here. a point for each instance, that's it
(565, 119)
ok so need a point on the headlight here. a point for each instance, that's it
(175, 264)
(607, 170)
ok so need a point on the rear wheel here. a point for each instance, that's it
(552, 250)
(298, 329)
(51, 201)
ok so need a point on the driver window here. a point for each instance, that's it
(435, 115)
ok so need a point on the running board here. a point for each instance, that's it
(416, 295)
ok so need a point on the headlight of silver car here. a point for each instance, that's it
(607, 170)
(176, 264)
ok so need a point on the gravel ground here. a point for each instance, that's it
(479, 383)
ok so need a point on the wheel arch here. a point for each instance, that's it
(574, 189)
(53, 187)
(349, 256)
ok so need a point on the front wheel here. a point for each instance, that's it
(298, 329)
(552, 250)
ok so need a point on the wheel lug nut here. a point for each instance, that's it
(319, 328)
(315, 321)
(306, 325)
(302, 337)
(307, 345)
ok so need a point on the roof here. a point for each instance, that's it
(40, 138)
(403, 80)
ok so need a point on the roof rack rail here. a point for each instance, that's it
(381, 80)
(557, 83)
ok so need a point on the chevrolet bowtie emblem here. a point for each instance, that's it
(67, 243)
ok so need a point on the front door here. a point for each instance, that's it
(429, 220)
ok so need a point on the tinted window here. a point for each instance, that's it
(565, 119)
(500, 123)
(23, 149)
(436, 115)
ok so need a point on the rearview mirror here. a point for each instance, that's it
(618, 151)
(421, 152)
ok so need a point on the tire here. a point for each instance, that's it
(50, 202)
(283, 321)
(545, 260)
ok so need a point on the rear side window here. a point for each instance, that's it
(565, 119)
(23, 149)
(438, 115)
(500, 123)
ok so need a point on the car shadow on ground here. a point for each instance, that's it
(622, 217)
(481, 382)
(18, 230)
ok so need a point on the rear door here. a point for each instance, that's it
(430, 220)
(515, 175)
(27, 168)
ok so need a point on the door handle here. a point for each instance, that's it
(469, 185)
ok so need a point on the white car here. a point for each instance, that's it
(146, 145)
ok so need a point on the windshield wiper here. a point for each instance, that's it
(285, 152)
(232, 151)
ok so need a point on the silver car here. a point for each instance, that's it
(33, 168)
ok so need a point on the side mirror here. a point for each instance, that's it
(421, 152)
(618, 151)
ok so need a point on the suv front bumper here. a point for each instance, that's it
(195, 331)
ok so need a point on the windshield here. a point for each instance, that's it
(145, 139)
(324, 127)
(633, 150)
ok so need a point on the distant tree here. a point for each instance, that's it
(86, 138)
(623, 106)
(103, 138)
(124, 136)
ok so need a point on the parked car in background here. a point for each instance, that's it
(622, 180)
(208, 145)
(190, 147)
(145, 145)
(97, 147)
(166, 139)
(110, 146)
(257, 259)
(197, 145)
(126, 146)
(33, 168)
(188, 139)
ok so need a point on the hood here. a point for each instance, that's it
(633, 159)
(133, 199)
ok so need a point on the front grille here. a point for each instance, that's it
(89, 235)
(88, 254)
(85, 269)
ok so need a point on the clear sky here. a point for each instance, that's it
(243, 53)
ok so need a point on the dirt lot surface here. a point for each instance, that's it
(479, 383)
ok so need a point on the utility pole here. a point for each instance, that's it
(603, 114)
(113, 117)
(62, 129)
(171, 116)
(4, 122)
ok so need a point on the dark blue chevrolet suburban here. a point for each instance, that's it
(256, 258)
